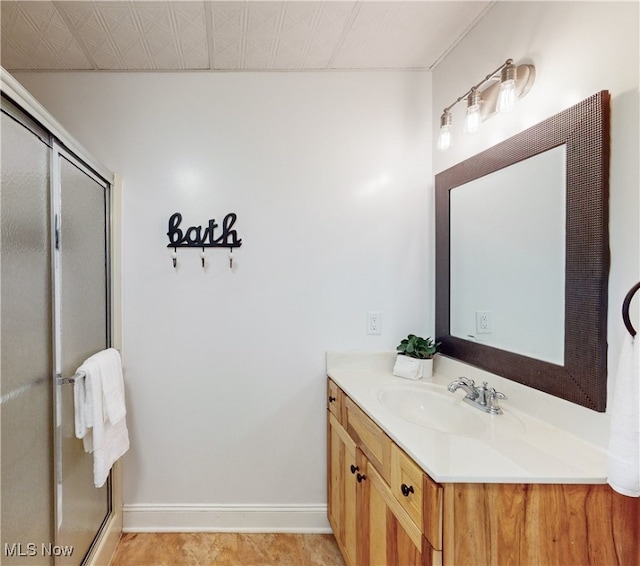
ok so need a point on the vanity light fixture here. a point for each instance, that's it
(510, 82)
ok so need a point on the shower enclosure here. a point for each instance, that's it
(54, 313)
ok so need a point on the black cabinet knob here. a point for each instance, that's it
(331, 399)
(361, 477)
(406, 489)
(354, 469)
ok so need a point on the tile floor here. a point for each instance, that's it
(226, 549)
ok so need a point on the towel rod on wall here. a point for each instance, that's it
(625, 309)
(72, 379)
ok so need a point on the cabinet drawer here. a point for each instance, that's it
(370, 438)
(407, 484)
(335, 400)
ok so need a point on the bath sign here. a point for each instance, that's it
(203, 237)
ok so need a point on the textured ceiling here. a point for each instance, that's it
(231, 35)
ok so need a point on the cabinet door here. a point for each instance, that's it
(342, 474)
(406, 484)
(387, 535)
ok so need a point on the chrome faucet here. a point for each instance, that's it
(483, 398)
(467, 385)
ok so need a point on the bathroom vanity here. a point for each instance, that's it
(416, 476)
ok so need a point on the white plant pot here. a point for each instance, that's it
(427, 368)
(412, 368)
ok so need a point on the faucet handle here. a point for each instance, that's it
(467, 381)
(493, 394)
(492, 400)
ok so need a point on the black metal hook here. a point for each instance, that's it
(625, 309)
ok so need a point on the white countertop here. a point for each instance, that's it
(538, 439)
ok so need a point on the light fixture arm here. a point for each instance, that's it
(490, 76)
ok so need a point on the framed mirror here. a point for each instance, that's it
(522, 256)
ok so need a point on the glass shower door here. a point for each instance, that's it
(26, 405)
(82, 328)
(54, 313)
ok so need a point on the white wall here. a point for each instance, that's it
(578, 49)
(330, 175)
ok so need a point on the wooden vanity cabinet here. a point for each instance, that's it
(386, 511)
(540, 525)
(374, 522)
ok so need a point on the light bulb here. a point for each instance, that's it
(472, 119)
(444, 138)
(507, 95)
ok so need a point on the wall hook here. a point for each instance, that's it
(203, 237)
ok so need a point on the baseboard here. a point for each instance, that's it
(226, 518)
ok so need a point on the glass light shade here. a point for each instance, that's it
(506, 96)
(444, 138)
(472, 119)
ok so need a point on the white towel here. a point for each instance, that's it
(112, 384)
(82, 406)
(623, 461)
(100, 411)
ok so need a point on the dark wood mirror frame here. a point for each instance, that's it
(584, 128)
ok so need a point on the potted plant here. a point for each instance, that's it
(415, 357)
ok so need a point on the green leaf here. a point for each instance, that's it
(417, 347)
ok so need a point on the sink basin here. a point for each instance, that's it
(432, 407)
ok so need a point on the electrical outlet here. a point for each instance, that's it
(374, 322)
(483, 322)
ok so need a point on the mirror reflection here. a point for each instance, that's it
(508, 257)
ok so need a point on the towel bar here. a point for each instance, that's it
(625, 309)
(72, 379)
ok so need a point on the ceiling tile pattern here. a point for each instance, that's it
(231, 34)
(34, 36)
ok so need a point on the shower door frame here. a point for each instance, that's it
(62, 143)
(58, 152)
